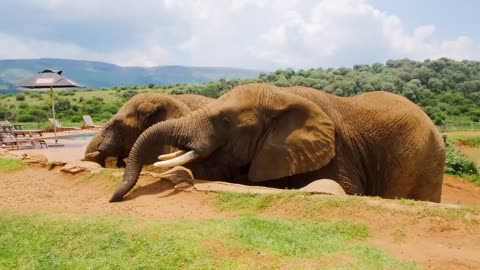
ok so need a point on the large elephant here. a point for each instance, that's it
(137, 114)
(377, 143)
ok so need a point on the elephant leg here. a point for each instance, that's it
(428, 187)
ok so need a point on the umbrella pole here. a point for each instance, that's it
(53, 114)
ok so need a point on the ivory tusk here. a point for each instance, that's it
(171, 155)
(178, 161)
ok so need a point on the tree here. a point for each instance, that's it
(377, 67)
(423, 74)
(435, 84)
(38, 115)
(289, 73)
(469, 87)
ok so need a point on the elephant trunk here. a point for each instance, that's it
(149, 144)
(100, 147)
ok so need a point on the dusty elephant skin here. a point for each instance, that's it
(140, 112)
(377, 143)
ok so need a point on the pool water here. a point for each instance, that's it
(82, 137)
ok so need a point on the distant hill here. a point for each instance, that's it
(99, 74)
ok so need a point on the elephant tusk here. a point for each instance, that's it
(178, 161)
(92, 155)
(171, 155)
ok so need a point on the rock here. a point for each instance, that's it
(53, 164)
(111, 162)
(177, 174)
(218, 186)
(35, 158)
(184, 186)
(324, 186)
(80, 166)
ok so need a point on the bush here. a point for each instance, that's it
(25, 118)
(457, 163)
(20, 97)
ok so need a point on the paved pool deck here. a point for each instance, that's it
(73, 146)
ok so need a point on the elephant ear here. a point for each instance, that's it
(301, 138)
(160, 108)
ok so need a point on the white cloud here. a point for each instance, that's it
(246, 33)
(190, 44)
(337, 27)
(12, 47)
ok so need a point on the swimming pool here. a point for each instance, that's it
(82, 137)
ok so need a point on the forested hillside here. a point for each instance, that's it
(447, 90)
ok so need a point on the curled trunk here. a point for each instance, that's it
(148, 145)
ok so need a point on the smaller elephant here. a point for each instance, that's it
(140, 112)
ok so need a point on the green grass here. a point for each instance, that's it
(252, 202)
(314, 207)
(459, 127)
(468, 140)
(48, 241)
(11, 165)
(290, 238)
(472, 178)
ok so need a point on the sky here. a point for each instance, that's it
(256, 34)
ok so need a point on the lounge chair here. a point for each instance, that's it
(8, 139)
(59, 127)
(9, 128)
(88, 123)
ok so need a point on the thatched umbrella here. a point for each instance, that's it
(49, 78)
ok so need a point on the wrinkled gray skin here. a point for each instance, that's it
(377, 143)
(140, 112)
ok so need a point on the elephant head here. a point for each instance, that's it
(260, 128)
(137, 114)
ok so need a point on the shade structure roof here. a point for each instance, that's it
(49, 78)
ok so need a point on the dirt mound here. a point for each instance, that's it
(38, 189)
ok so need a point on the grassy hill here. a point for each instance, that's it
(98, 74)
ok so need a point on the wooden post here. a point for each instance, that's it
(53, 114)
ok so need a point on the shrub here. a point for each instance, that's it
(457, 163)
(25, 117)
(20, 97)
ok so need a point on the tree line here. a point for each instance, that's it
(447, 90)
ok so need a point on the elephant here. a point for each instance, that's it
(374, 144)
(119, 134)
